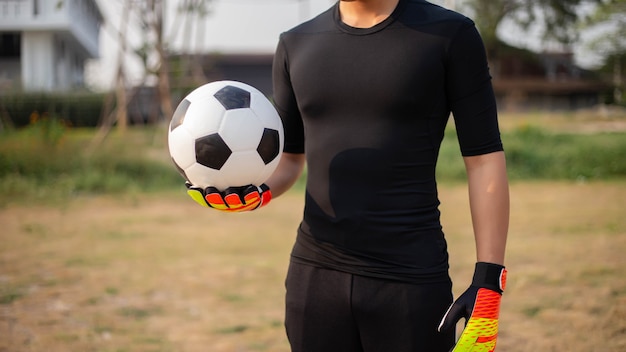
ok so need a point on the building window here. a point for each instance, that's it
(10, 45)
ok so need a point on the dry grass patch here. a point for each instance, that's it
(159, 273)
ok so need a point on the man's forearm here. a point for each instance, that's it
(489, 204)
(287, 173)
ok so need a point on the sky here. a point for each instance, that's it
(240, 26)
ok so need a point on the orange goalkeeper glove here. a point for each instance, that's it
(480, 306)
(233, 199)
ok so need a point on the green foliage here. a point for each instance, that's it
(533, 153)
(566, 156)
(73, 109)
(608, 40)
(48, 161)
(48, 129)
(9, 294)
(558, 19)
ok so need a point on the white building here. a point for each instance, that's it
(44, 44)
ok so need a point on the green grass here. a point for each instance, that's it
(535, 153)
(47, 162)
(9, 294)
(39, 165)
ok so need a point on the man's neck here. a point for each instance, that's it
(365, 13)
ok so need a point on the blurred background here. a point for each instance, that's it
(560, 55)
(101, 250)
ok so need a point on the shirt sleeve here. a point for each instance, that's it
(285, 101)
(470, 94)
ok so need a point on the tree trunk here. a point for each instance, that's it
(163, 85)
(119, 114)
(617, 81)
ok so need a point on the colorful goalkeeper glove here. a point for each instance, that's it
(233, 199)
(480, 306)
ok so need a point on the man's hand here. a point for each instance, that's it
(480, 306)
(233, 199)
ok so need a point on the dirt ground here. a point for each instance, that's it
(158, 273)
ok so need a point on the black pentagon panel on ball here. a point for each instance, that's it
(212, 151)
(269, 146)
(232, 97)
(179, 114)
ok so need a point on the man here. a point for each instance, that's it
(365, 90)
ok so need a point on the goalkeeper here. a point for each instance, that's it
(365, 91)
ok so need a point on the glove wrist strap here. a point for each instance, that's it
(490, 276)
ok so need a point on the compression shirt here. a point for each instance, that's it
(368, 107)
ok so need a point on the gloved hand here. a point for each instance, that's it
(480, 306)
(233, 199)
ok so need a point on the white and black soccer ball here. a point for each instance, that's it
(225, 134)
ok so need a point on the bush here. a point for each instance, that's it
(533, 153)
(74, 109)
(49, 161)
(35, 167)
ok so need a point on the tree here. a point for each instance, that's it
(190, 18)
(558, 18)
(189, 14)
(609, 22)
(151, 20)
(153, 53)
(110, 114)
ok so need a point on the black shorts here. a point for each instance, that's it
(328, 311)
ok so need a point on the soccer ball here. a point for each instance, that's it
(225, 134)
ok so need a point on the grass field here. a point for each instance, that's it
(159, 273)
(135, 271)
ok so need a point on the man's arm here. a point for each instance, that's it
(480, 303)
(286, 174)
(489, 205)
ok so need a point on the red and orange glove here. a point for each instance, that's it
(480, 306)
(233, 199)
